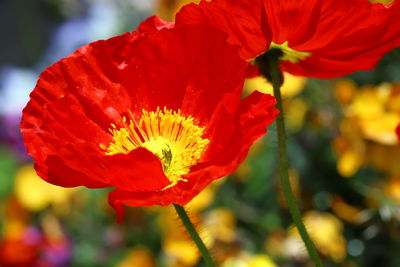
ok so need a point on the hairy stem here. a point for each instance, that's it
(269, 67)
(195, 236)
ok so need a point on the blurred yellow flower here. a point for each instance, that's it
(326, 232)
(376, 119)
(367, 132)
(204, 198)
(249, 260)
(261, 261)
(138, 256)
(295, 112)
(177, 245)
(180, 252)
(35, 194)
(392, 189)
(220, 224)
(274, 244)
(345, 211)
(344, 90)
(295, 108)
(384, 158)
(350, 155)
(291, 87)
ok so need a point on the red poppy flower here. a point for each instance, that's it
(319, 38)
(155, 113)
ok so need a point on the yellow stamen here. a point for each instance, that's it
(289, 53)
(175, 139)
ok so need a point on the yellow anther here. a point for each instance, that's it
(174, 138)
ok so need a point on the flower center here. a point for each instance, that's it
(288, 53)
(175, 139)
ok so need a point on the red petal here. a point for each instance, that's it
(76, 100)
(292, 20)
(241, 19)
(179, 194)
(154, 23)
(252, 116)
(139, 171)
(187, 68)
(342, 36)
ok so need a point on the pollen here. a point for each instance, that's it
(175, 139)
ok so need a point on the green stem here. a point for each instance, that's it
(195, 236)
(273, 59)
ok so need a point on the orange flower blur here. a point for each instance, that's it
(155, 114)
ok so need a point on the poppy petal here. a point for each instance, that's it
(240, 18)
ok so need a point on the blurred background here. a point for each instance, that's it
(344, 157)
